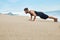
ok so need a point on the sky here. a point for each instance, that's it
(19, 5)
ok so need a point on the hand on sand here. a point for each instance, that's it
(33, 20)
(30, 19)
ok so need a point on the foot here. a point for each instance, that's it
(55, 20)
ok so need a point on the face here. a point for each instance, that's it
(26, 11)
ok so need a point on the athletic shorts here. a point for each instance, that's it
(42, 15)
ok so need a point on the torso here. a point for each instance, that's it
(31, 13)
(40, 14)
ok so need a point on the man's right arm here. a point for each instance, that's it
(33, 13)
(30, 17)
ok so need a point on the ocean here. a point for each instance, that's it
(50, 13)
(54, 14)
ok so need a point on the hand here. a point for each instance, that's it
(33, 20)
(30, 19)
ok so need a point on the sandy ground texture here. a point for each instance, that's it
(19, 28)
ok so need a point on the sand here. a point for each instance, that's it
(19, 28)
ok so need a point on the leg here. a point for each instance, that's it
(55, 19)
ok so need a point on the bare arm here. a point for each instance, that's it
(33, 13)
(34, 18)
(30, 17)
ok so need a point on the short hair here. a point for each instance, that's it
(25, 9)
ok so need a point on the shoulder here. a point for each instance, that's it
(31, 11)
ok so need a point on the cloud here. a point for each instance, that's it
(13, 1)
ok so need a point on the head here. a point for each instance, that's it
(26, 10)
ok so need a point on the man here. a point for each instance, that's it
(40, 14)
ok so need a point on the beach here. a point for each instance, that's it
(20, 28)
